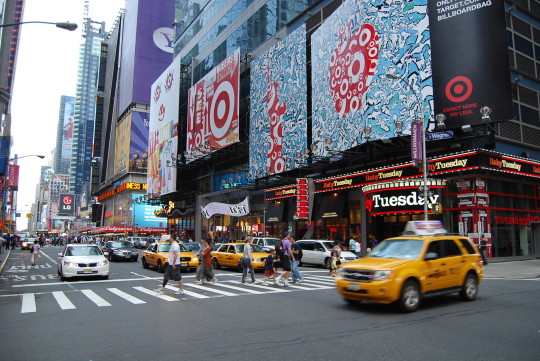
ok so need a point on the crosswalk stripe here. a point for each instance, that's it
(100, 302)
(269, 288)
(28, 303)
(156, 294)
(126, 296)
(225, 293)
(187, 293)
(331, 282)
(239, 288)
(63, 301)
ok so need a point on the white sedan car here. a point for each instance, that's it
(319, 252)
(82, 260)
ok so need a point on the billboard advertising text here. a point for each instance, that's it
(352, 51)
(470, 60)
(278, 107)
(67, 130)
(163, 131)
(138, 148)
(213, 106)
(121, 155)
(143, 215)
(66, 205)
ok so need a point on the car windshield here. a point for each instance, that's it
(120, 244)
(83, 251)
(164, 247)
(191, 246)
(254, 248)
(270, 241)
(328, 244)
(398, 248)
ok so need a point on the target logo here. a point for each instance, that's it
(459, 89)
(222, 110)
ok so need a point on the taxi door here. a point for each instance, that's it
(436, 270)
(151, 256)
(231, 257)
(455, 262)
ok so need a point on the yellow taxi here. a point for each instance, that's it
(157, 255)
(423, 261)
(27, 243)
(229, 255)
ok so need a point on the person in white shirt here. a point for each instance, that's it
(357, 249)
(35, 252)
(173, 269)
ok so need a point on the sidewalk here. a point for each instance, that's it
(3, 258)
(525, 269)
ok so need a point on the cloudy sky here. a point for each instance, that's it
(46, 69)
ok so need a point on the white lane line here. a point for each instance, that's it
(187, 293)
(225, 293)
(100, 302)
(28, 303)
(156, 294)
(63, 301)
(125, 296)
(270, 288)
(303, 286)
(46, 255)
(319, 282)
(87, 282)
(243, 289)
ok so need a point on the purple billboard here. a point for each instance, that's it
(147, 47)
(138, 147)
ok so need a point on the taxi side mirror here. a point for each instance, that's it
(430, 256)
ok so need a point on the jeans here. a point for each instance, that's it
(296, 275)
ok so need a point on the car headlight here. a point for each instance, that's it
(381, 275)
(193, 259)
(256, 259)
(103, 263)
(70, 264)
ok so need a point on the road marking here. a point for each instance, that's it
(239, 288)
(86, 282)
(63, 301)
(269, 288)
(125, 296)
(225, 293)
(186, 292)
(28, 303)
(100, 302)
(155, 294)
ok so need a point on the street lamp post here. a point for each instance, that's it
(422, 122)
(66, 26)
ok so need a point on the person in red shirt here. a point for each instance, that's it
(207, 271)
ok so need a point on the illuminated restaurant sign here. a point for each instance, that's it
(278, 193)
(121, 188)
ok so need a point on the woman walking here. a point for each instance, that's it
(246, 262)
(205, 270)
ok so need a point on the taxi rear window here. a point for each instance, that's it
(467, 245)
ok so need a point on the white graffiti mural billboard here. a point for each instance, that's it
(352, 52)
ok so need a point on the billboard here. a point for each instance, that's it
(470, 72)
(147, 44)
(46, 174)
(121, 155)
(66, 206)
(163, 131)
(143, 215)
(353, 101)
(13, 176)
(67, 128)
(138, 144)
(213, 108)
(278, 107)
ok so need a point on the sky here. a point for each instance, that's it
(46, 69)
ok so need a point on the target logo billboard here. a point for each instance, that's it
(213, 109)
(67, 205)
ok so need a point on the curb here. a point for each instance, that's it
(5, 260)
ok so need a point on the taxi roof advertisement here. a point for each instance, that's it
(470, 72)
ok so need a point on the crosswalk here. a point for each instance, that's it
(138, 295)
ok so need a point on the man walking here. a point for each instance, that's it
(286, 259)
(296, 250)
(173, 269)
(483, 244)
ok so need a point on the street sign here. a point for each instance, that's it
(440, 135)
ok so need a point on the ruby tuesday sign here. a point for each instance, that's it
(400, 200)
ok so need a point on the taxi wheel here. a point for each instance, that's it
(160, 267)
(469, 290)
(409, 300)
(215, 264)
(352, 302)
(327, 263)
(144, 263)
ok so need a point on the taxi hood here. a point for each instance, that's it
(376, 263)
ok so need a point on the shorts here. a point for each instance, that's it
(334, 266)
(269, 272)
(173, 273)
(286, 263)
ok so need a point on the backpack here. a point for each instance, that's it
(279, 249)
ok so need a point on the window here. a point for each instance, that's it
(451, 248)
(467, 245)
(307, 246)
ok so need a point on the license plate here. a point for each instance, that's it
(353, 287)
(87, 271)
(126, 256)
(184, 264)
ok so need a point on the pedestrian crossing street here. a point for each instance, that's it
(138, 295)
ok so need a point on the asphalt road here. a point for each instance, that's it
(123, 319)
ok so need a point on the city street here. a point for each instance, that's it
(124, 319)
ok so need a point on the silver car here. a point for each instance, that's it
(319, 252)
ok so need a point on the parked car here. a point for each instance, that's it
(319, 252)
(121, 251)
(407, 268)
(266, 243)
(82, 260)
(229, 255)
(157, 255)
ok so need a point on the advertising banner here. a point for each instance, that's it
(46, 174)
(138, 145)
(213, 108)
(163, 131)
(143, 215)
(353, 100)
(121, 155)
(470, 60)
(235, 210)
(67, 130)
(67, 205)
(278, 103)
(13, 176)
(417, 151)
